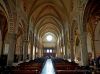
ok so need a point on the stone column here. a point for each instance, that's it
(59, 49)
(12, 44)
(21, 50)
(93, 47)
(12, 23)
(0, 42)
(62, 47)
(40, 49)
(11, 39)
(83, 34)
(72, 50)
(65, 43)
(84, 52)
(72, 46)
(25, 49)
(31, 54)
(83, 41)
(35, 46)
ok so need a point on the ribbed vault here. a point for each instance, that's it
(48, 17)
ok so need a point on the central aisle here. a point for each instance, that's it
(48, 68)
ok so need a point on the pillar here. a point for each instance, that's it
(62, 46)
(37, 49)
(72, 50)
(72, 45)
(0, 42)
(58, 50)
(25, 47)
(83, 40)
(93, 47)
(84, 52)
(12, 44)
(40, 50)
(31, 54)
(11, 38)
(35, 45)
(65, 44)
(21, 50)
(25, 50)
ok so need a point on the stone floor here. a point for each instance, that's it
(48, 67)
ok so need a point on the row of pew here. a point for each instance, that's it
(35, 66)
(27, 68)
(65, 67)
(31, 67)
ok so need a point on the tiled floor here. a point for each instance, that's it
(48, 68)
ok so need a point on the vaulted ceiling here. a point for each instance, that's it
(92, 15)
(47, 12)
(48, 15)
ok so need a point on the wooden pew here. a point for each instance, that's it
(25, 72)
(65, 67)
(73, 72)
